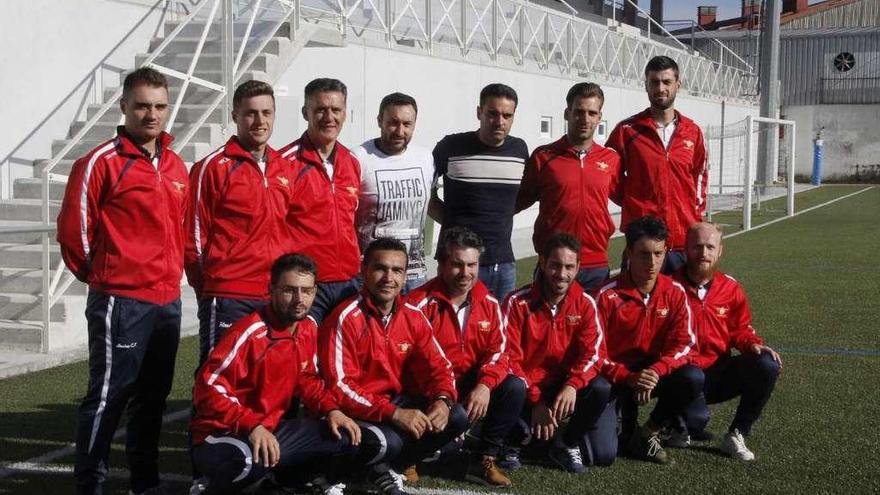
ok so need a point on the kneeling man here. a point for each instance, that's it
(723, 322)
(368, 344)
(467, 323)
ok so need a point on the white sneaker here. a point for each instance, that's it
(337, 489)
(734, 445)
(198, 487)
(399, 479)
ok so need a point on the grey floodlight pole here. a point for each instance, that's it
(768, 144)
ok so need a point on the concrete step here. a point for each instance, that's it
(17, 255)
(213, 45)
(26, 209)
(191, 152)
(33, 189)
(194, 29)
(23, 237)
(20, 335)
(186, 113)
(19, 307)
(194, 93)
(63, 167)
(30, 281)
(208, 61)
(104, 130)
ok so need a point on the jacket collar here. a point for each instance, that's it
(538, 299)
(563, 145)
(275, 328)
(368, 307)
(125, 144)
(626, 287)
(691, 288)
(644, 119)
(235, 150)
(309, 153)
(435, 289)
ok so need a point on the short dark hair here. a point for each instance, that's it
(660, 63)
(293, 261)
(584, 90)
(384, 244)
(498, 90)
(249, 89)
(397, 100)
(457, 237)
(325, 84)
(647, 226)
(144, 75)
(561, 240)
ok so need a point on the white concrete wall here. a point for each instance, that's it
(50, 50)
(850, 132)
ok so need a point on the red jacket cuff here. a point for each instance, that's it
(246, 423)
(386, 411)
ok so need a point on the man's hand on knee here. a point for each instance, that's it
(412, 421)
(265, 446)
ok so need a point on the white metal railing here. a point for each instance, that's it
(238, 53)
(521, 33)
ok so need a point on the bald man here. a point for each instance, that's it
(723, 322)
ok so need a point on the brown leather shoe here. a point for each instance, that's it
(482, 469)
(411, 475)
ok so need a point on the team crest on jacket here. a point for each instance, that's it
(303, 365)
(688, 144)
(722, 311)
(602, 166)
(485, 326)
(283, 181)
(573, 319)
(178, 186)
(662, 312)
(352, 190)
(404, 347)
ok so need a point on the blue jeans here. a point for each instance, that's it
(500, 278)
(592, 279)
(413, 284)
(332, 293)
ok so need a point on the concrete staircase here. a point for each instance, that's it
(20, 254)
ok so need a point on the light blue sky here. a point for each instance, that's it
(687, 9)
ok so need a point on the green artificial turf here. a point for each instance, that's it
(814, 287)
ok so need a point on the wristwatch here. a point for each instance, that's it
(446, 400)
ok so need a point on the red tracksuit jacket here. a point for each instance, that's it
(658, 333)
(573, 190)
(252, 375)
(549, 350)
(667, 183)
(236, 222)
(121, 222)
(722, 321)
(481, 343)
(321, 216)
(363, 361)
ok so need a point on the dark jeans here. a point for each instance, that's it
(505, 402)
(332, 293)
(674, 393)
(592, 279)
(500, 278)
(132, 350)
(227, 460)
(218, 314)
(673, 261)
(750, 377)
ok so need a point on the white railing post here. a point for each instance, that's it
(228, 62)
(522, 35)
(494, 29)
(45, 261)
(791, 168)
(747, 187)
(463, 27)
(429, 27)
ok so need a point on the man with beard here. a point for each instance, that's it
(236, 217)
(664, 161)
(395, 185)
(557, 347)
(649, 338)
(368, 347)
(573, 179)
(481, 172)
(247, 385)
(468, 325)
(723, 322)
(325, 187)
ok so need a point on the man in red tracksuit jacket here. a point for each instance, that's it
(649, 338)
(325, 187)
(248, 383)
(235, 225)
(664, 161)
(467, 323)
(723, 322)
(573, 179)
(121, 231)
(557, 346)
(367, 345)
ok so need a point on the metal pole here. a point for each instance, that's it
(45, 261)
(494, 29)
(721, 152)
(747, 187)
(227, 63)
(463, 27)
(769, 77)
(791, 166)
(429, 24)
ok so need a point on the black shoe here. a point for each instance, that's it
(387, 483)
(645, 445)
